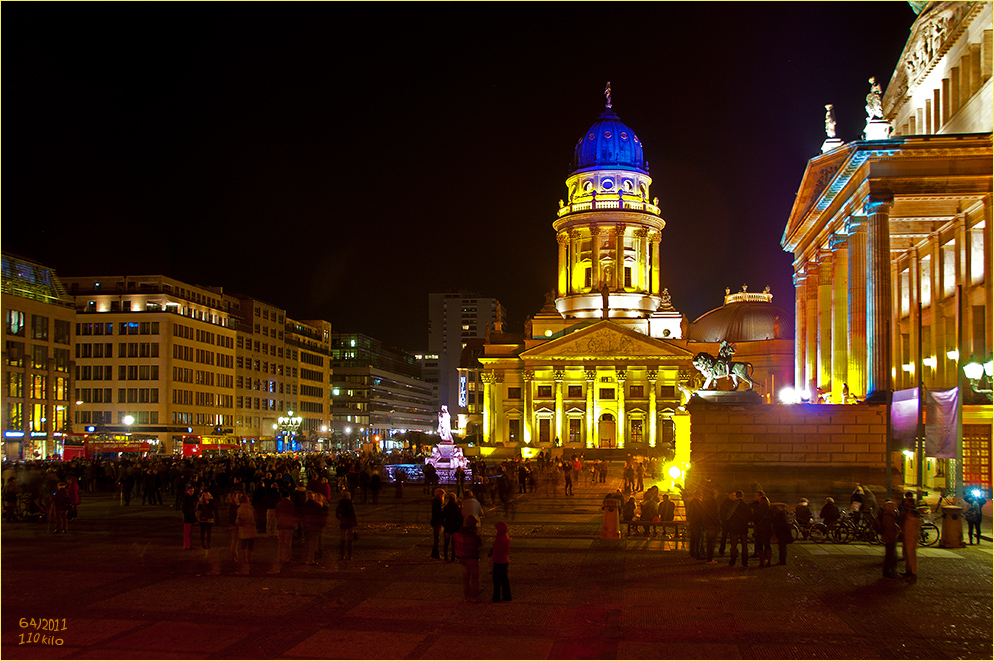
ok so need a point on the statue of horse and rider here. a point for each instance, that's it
(722, 366)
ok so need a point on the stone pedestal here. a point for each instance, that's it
(830, 144)
(736, 397)
(877, 129)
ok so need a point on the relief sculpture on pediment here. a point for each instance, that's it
(601, 343)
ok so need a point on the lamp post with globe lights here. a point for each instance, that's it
(286, 426)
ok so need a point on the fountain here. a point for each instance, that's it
(446, 457)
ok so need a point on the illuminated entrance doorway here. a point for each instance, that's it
(606, 437)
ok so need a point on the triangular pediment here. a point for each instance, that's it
(605, 339)
(817, 176)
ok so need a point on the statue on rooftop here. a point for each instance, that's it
(607, 93)
(874, 109)
(830, 120)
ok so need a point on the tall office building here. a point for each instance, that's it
(454, 319)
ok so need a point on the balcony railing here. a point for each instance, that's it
(609, 204)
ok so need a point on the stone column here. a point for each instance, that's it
(563, 280)
(574, 259)
(654, 282)
(529, 376)
(840, 316)
(810, 382)
(651, 376)
(590, 375)
(622, 376)
(856, 323)
(559, 375)
(800, 332)
(642, 260)
(595, 258)
(619, 257)
(879, 306)
(497, 419)
(824, 322)
(488, 413)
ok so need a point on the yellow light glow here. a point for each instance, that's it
(931, 362)
(675, 472)
(953, 355)
(908, 367)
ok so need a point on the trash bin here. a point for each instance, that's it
(611, 528)
(952, 527)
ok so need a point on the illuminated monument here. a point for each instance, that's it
(603, 363)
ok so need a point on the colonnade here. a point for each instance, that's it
(645, 265)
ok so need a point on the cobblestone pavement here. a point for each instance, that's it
(119, 585)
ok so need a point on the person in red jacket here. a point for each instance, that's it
(500, 555)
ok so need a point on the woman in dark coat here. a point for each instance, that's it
(764, 532)
(188, 506)
(782, 529)
(436, 520)
(830, 512)
(345, 513)
(207, 517)
(451, 524)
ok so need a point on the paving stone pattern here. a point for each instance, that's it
(127, 590)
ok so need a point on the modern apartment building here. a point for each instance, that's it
(154, 351)
(37, 359)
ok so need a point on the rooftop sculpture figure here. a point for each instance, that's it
(874, 109)
(830, 120)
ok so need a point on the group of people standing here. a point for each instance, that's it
(456, 524)
(302, 514)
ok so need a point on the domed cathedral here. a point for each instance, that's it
(606, 362)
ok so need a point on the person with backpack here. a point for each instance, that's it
(974, 516)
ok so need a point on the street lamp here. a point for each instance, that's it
(288, 424)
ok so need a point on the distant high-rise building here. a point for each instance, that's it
(454, 319)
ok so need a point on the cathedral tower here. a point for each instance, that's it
(609, 233)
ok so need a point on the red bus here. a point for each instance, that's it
(197, 446)
(88, 445)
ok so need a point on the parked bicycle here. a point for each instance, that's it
(816, 532)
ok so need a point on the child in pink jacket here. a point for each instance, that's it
(500, 554)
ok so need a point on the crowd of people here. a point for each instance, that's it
(292, 497)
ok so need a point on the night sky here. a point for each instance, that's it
(343, 161)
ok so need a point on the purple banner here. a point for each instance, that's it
(940, 423)
(904, 419)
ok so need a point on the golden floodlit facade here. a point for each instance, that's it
(891, 234)
(607, 362)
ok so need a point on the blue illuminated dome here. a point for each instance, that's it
(609, 145)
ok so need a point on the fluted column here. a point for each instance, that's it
(595, 258)
(840, 316)
(800, 332)
(856, 323)
(642, 260)
(529, 376)
(497, 419)
(824, 321)
(619, 257)
(622, 376)
(574, 259)
(651, 376)
(879, 305)
(590, 375)
(559, 375)
(811, 327)
(654, 283)
(488, 405)
(563, 280)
